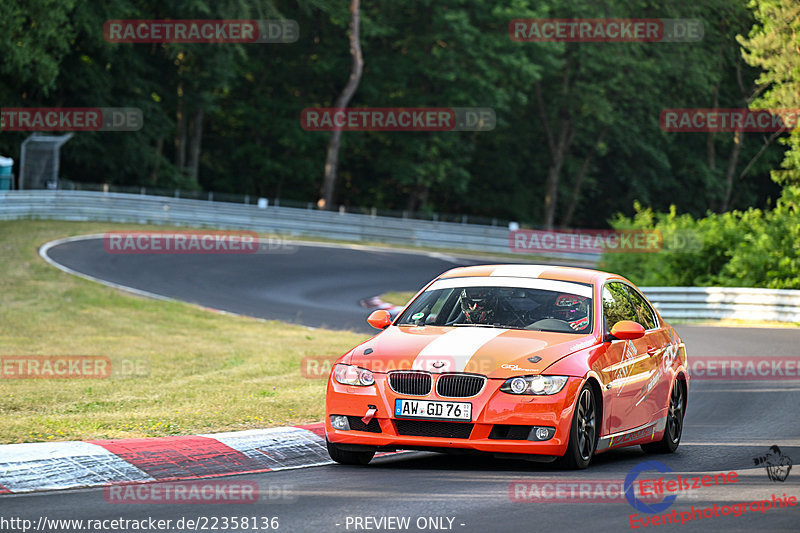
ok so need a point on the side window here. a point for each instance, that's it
(617, 305)
(644, 312)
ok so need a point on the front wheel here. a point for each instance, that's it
(583, 432)
(672, 434)
(347, 457)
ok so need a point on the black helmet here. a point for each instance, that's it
(573, 309)
(478, 304)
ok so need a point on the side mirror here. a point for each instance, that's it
(627, 330)
(381, 319)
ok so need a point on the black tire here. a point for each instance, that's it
(672, 434)
(347, 457)
(583, 432)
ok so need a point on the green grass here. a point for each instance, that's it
(397, 298)
(202, 371)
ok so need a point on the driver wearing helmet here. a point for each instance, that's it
(479, 305)
(572, 309)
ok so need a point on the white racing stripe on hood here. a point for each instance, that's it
(455, 348)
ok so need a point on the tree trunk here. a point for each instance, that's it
(558, 148)
(157, 163)
(332, 156)
(733, 160)
(180, 137)
(554, 172)
(194, 145)
(711, 152)
(418, 198)
(576, 187)
(738, 141)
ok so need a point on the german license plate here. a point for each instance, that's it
(432, 409)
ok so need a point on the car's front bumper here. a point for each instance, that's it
(499, 419)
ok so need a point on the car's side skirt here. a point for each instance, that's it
(640, 435)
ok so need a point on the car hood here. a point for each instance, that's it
(494, 352)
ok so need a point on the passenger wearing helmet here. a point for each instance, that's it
(572, 309)
(479, 305)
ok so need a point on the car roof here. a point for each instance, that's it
(551, 272)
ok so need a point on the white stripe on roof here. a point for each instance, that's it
(520, 271)
(522, 283)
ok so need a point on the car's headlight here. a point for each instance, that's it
(353, 375)
(540, 385)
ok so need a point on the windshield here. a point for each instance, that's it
(501, 307)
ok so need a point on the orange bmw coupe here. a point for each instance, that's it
(544, 363)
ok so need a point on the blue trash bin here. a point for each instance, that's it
(6, 166)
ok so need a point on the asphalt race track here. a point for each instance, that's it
(728, 422)
(318, 286)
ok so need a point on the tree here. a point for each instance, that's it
(332, 156)
(774, 46)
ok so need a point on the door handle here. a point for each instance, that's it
(651, 350)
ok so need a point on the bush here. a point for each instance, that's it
(753, 248)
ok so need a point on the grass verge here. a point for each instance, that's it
(198, 371)
(397, 298)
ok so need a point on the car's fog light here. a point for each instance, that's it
(340, 422)
(541, 433)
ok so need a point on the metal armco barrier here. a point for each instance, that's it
(710, 303)
(287, 221)
(688, 303)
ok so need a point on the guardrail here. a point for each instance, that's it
(690, 303)
(287, 221)
(713, 303)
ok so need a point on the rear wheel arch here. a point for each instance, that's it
(681, 378)
(673, 430)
